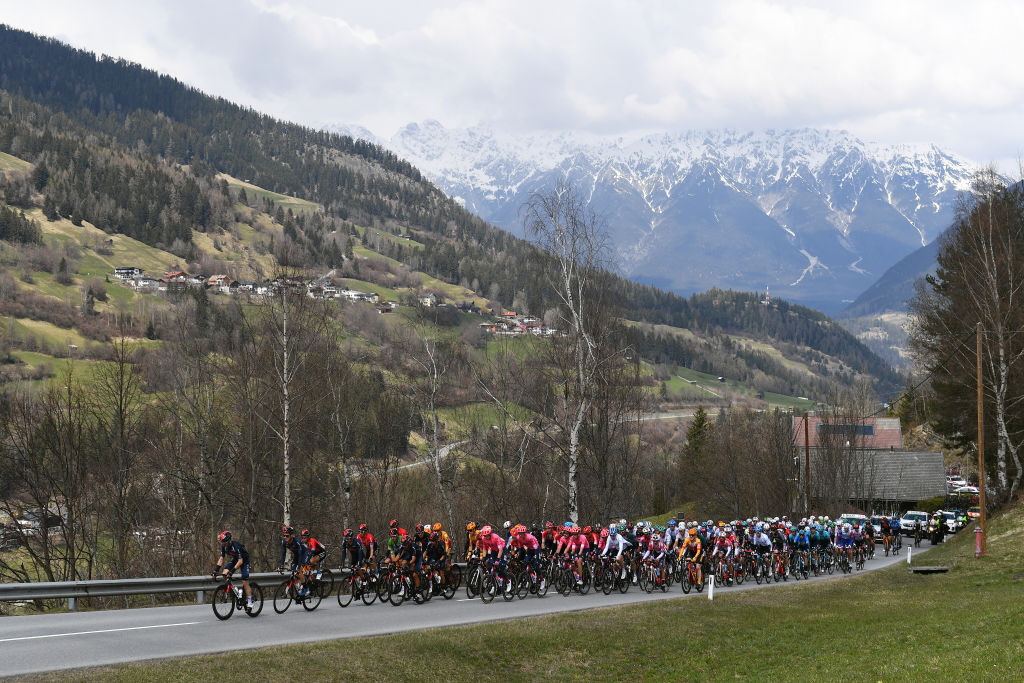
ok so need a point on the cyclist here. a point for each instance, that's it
(548, 539)
(409, 551)
(393, 526)
(238, 559)
(693, 549)
(492, 546)
(367, 542)
(844, 541)
(802, 544)
(472, 537)
(575, 545)
(438, 529)
(315, 550)
(436, 553)
(291, 544)
(526, 543)
(352, 548)
(655, 552)
(618, 543)
(760, 542)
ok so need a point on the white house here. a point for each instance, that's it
(128, 272)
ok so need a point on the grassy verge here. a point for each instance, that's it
(886, 625)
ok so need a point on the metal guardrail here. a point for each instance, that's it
(105, 588)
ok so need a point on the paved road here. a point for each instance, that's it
(31, 644)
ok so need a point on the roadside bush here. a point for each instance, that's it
(931, 504)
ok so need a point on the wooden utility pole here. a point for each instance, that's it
(981, 450)
(807, 468)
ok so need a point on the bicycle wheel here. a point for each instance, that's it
(587, 580)
(325, 583)
(455, 576)
(223, 602)
(474, 581)
(488, 589)
(257, 600)
(283, 597)
(311, 600)
(451, 584)
(542, 585)
(367, 590)
(396, 590)
(741, 574)
(346, 588)
(685, 584)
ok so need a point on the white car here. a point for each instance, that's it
(907, 522)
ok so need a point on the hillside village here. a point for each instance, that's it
(326, 287)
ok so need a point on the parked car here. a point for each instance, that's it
(907, 521)
(955, 481)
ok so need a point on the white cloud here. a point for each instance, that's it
(910, 71)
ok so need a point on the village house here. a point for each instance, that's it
(128, 272)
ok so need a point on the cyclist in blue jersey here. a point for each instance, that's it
(298, 550)
(237, 560)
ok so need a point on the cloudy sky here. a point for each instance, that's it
(942, 72)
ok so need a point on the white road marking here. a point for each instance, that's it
(86, 633)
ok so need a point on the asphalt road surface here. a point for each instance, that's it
(32, 644)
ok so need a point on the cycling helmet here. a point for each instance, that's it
(549, 525)
(612, 529)
(435, 536)
(622, 522)
(363, 527)
(587, 529)
(348, 532)
(693, 532)
(604, 533)
(506, 525)
(671, 522)
(574, 529)
(393, 523)
(305, 532)
(471, 526)
(486, 531)
(288, 531)
(225, 537)
(394, 533)
(419, 528)
(406, 540)
(535, 530)
(437, 526)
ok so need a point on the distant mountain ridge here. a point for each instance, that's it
(815, 215)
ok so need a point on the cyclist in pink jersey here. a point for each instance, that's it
(526, 542)
(577, 547)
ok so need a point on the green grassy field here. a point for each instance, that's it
(885, 625)
(711, 385)
(282, 200)
(13, 163)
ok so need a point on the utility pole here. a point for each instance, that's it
(981, 451)
(807, 468)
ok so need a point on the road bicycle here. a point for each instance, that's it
(693, 577)
(231, 597)
(288, 591)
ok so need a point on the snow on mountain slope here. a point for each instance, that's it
(817, 215)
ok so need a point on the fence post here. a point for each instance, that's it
(200, 597)
(72, 604)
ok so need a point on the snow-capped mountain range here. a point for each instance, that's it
(815, 215)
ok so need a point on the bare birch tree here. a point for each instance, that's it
(575, 253)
